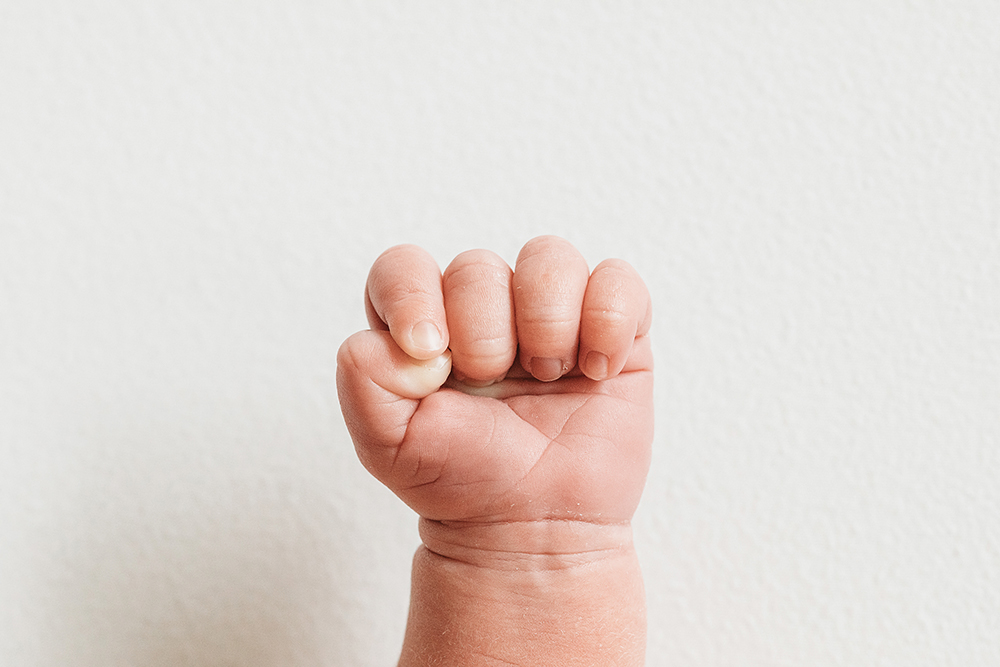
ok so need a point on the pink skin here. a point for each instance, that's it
(546, 417)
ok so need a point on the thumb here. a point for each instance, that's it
(380, 388)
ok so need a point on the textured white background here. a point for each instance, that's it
(191, 194)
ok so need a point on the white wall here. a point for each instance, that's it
(190, 197)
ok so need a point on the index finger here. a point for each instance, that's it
(403, 296)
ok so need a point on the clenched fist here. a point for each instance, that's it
(512, 410)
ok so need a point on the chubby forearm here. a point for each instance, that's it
(472, 606)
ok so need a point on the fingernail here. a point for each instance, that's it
(422, 378)
(546, 369)
(438, 363)
(427, 336)
(597, 365)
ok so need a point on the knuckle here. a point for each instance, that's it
(397, 249)
(543, 242)
(354, 351)
(481, 343)
(490, 360)
(615, 274)
(548, 250)
(345, 356)
(402, 271)
(604, 316)
(615, 264)
(483, 272)
(485, 349)
(546, 320)
(404, 290)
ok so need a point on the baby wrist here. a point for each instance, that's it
(537, 545)
(574, 606)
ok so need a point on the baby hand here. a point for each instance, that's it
(505, 407)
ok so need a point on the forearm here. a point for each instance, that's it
(562, 606)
